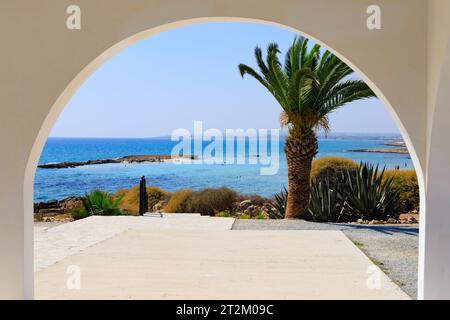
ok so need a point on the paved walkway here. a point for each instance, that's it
(394, 248)
(193, 257)
(54, 243)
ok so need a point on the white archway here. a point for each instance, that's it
(43, 69)
(92, 67)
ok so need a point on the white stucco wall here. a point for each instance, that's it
(435, 230)
(43, 64)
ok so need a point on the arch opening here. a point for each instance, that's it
(84, 74)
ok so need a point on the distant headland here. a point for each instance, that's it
(399, 144)
(400, 151)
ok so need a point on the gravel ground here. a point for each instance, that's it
(393, 248)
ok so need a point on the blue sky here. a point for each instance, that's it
(174, 78)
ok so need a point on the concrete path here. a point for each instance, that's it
(394, 248)
(192, 257)
(52, 244)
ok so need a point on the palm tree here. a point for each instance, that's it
(310, 86)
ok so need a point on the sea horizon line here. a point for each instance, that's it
(320, 135)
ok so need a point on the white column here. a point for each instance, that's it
(16, 232)
(434, 264)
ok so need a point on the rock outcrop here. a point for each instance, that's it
(400, 151)
(57, 207)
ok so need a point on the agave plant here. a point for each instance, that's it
(102, 204)
(312, 84)
(369, 194)
(326, 203)
(279, 203)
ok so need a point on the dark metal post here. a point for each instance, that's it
(143, 197)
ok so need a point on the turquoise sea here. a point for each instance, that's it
(60, 183)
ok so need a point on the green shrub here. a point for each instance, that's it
(97, 203)
(405, 181)
(102, 204)
(331, 167)
(369, 194)
(79, 213)
(210, 201)
(155, 195)
(129, 202)
(223, 214)
(178, 202)
(244, 217)
(279, 203)
(260, 216)
(326, 203)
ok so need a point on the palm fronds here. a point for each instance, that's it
(311, 84)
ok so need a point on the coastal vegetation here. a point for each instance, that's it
(212, 200)
(369, 195)
(178, 202)
(331, 167)
(326, 203)
(341, 191)
(97, 203)
(311, 85)
(350, 193)
(405, 181)
(279, 204)
(129, 198)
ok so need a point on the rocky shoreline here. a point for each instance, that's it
(56, 210)
(126, 159)
(400, 144)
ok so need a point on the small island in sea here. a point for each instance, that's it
(400, 151)
(126, 159)
(400, 148)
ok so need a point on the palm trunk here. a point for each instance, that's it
(299, 156)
